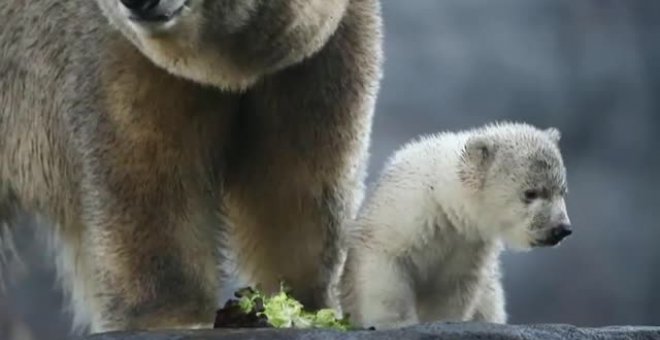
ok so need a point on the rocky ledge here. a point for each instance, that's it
(445, 331)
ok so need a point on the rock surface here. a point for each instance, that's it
(445, 331)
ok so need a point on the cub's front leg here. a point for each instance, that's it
(491, 303)
(377, 291)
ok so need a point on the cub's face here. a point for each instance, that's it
(520, 186)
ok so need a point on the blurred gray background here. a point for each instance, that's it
(589, 67)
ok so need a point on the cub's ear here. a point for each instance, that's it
(554, 134)
(479, 152)
(477, 156)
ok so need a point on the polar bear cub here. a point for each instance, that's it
(426, 244)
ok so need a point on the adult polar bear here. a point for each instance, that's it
(143, 139)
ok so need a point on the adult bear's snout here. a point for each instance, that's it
(138, 6)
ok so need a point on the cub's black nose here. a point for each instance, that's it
(560, 232)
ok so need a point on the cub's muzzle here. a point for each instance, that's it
(556, 235)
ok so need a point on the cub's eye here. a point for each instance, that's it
(531, 195)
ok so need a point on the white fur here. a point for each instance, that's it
(425, 246)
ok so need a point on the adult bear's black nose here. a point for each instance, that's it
(140, 7)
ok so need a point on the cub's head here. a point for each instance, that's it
(516, 176)
(226, 43)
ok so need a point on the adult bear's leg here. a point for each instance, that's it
(299, 160)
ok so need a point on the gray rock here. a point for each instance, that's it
(445, 331)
